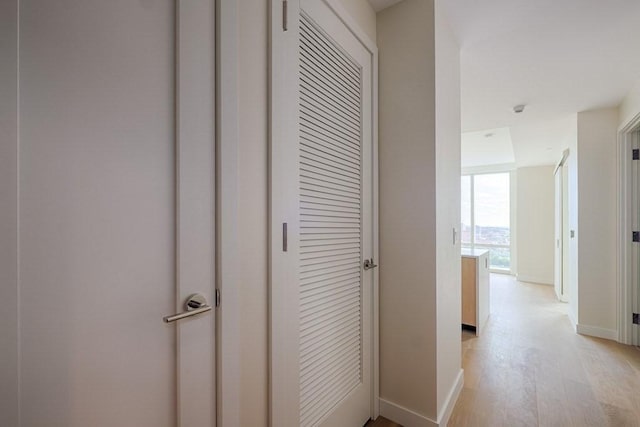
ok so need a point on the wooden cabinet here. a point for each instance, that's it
(475, 288)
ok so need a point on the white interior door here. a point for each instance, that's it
(322, 225)
(558, 283)
(116, 197)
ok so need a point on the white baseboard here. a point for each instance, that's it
(594, 331)
(403, 416)
(536, 280)
(408, 418)
(452, 398)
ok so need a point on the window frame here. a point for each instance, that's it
(512, 227)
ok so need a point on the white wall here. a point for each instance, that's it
(448, 159)
(407, 206)
(630, 106)
(597, 221)
(535, 224)
(419, 207)
(364, 14)
(592, 215)
(8, 215)
(253, 198)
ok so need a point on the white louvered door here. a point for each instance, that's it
(322, 189)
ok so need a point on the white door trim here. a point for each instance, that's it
(625, 201)
(195, 234)
(227, 119)
(9, 214)
(276, 22)
(371, 46)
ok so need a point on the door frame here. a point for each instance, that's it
(626, 292)
(559, 244)
(277, 111)
(226, 228)
(561, 215)
(9, 216)
(227, 169)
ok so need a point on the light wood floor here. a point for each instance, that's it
(531, 369)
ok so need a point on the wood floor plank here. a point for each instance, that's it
(530, 368)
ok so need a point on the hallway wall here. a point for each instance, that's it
(630, 106)
(597, 222)
(419, 209)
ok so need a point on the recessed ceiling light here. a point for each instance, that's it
(518, 108)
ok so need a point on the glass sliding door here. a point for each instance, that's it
(486, 214)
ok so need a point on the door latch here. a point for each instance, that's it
(368, 264)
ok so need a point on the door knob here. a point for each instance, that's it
(368, 264)
(195, 304)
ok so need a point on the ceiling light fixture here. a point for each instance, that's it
(518, 109)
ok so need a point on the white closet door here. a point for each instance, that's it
(322, 190)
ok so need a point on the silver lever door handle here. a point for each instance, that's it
(195, 304)
(368, 264)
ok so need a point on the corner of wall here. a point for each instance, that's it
(630, 106)
(451, 399)
(594, 331)
(448, 261)
(597, 246)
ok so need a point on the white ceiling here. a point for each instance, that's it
(488, 147)
(558, 57)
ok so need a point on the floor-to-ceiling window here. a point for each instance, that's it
(486, 213)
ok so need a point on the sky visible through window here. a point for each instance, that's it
(492, 200)
(491, 194)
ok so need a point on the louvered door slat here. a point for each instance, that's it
(329, 276)
(338, 104)
(325, 53)
(314, 292)
(327, 204)
(328, 75)
(311, 34)
(330, 145)
(322, 86)
(339, 325)
(338, 342)
(325, 247)
(311, 272)
(330, 224)
(328, 105)
(319, 399)
(327, 128)
(324, 149)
